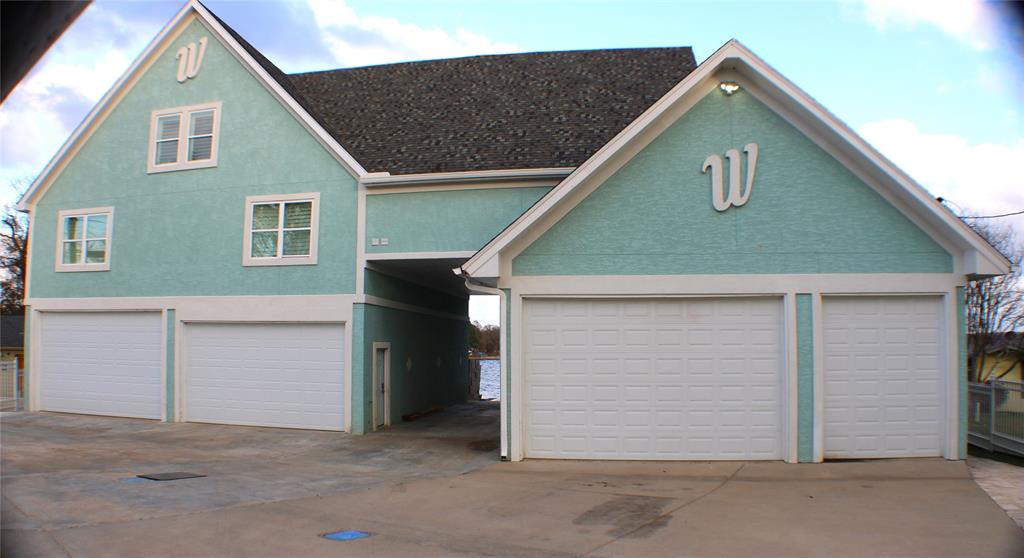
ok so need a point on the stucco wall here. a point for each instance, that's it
(444, 221)
(807, 213)
(428, 360)
(180, 233)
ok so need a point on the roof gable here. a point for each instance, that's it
(734, 62)
(192, 11)
(806, 213)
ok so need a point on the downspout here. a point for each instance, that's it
(502, 357)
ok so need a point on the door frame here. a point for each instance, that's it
(384, 407)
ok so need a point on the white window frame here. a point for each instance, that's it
(184, 129)
(59, 264)
(314, 223)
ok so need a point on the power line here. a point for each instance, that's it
(1021, 212)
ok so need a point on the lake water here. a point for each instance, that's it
(490, 379)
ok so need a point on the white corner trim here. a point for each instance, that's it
(736, 57)
(249, 261)
(58, 257)
(377, 180)
(383, 256)
(184, 125)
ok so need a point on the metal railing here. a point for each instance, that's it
(10, 397)
(995, 416)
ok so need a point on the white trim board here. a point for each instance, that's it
(169, 33)
(470, 177)
(731, 60)
(380, 256)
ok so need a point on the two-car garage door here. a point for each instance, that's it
(112, 363)
(654, 379)
(703, 378)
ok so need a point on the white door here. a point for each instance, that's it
(654, 379)
(883, 370)
(101, 363)
(281, 375)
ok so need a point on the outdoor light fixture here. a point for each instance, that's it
(729, 87)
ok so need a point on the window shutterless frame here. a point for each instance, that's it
(80, 262)
(279, 257)
(193, 126)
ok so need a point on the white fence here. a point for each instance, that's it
(995, 416)
(10, 398)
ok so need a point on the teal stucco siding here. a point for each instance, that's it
(444, 221)
(180, 233)
(805, 378)
(807, 212)
(428, 352)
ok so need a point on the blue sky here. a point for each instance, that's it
(937, 86)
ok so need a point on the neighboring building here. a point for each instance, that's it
(1003, 358)
(12, 337)
(694, 261)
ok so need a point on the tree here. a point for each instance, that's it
(13, 260)
(995, 308)
(484, 338)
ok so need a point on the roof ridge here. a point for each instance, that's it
(497, 55)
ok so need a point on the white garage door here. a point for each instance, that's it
(283, 375)
(654, 379)
(883, 365)
(105, 363)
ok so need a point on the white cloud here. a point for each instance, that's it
(969, 21)
(982, 179)
(39, 115)
(358, 40)
(485, 309)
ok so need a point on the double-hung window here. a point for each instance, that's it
(281, 230)
(83, 239)
(184, 138)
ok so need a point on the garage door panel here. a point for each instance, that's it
(105, 363)
(883, 394)
(280, 375)
(664, 379)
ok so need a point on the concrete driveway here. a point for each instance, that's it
(434, 488)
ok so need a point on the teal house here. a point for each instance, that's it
(694, 261)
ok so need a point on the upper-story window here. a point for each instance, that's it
(184, 138)
(83, 239)
(281, 229)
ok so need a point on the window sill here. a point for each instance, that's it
(155, 169)
(70, 268)
(264, 262)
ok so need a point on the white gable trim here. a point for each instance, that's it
(976, 255)
(139, 67)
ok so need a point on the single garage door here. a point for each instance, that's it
(654, 379)
(883, 370)
(101, 363)
(282, 375)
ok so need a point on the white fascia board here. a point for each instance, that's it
(96, 115)
(99, 112)
(283, 96)
(383, 179)
(736, 57)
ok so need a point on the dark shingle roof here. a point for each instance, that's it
(511, 111)
(546, 109)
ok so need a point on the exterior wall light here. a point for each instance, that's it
(729, 87)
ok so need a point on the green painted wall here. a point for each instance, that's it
(805, 378)
(169, 366)
(446, 221)
(428, 360)
(398, 290)
(961, 324)
(180, 233)
(807, 213)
